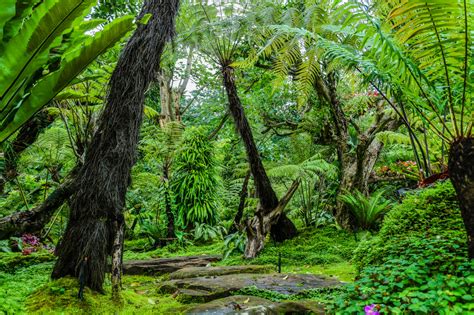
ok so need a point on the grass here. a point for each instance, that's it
(25, 286)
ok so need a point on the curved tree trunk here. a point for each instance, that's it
(97, 205)
(461, 172)
(282, 228)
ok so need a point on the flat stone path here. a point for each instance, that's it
(205, 287)
(251, 305)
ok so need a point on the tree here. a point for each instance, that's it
(44, 47)
(290, 40)
(418, 55)
(96, 217)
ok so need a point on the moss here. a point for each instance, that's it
(139, 295)
(15, 287)
(323, 251)
(9, 262)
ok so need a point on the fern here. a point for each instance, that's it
(366, 210)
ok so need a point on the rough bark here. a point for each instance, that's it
(169, 213)
(103, 179)
(461, 172)
(268, 201)
(34, 220)
(260, 225)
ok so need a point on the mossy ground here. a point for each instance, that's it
(27, 288)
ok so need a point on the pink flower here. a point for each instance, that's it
(371, 310)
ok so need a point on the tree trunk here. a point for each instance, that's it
(259, 226)
(117, 259)
(284, 228)
(169, 213)
(103, 180)
(240, 210)
(461, 172)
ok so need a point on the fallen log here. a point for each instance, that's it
(34, 220)
(159, 266)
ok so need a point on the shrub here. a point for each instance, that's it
(366, 210)
(195, 181)
(429, 212)
(432, 209)
(418, 275)
(418, 263)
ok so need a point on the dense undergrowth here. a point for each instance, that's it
(415, 264)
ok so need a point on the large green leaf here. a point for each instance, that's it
(72, 65)
(6, 13)
(28, 51)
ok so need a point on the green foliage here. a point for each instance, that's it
(46, 48)
(234, 243)
(204, 233)
(417, 263)
(421, 274)
(325, 295)
(195, 182)
(431, 209)
(366, 210)
(16, 287)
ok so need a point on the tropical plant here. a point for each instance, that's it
(366, 210)
(204, 232)
(195, 181)
(43, 48)
(418, 55)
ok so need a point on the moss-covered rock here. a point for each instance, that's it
(192, 272)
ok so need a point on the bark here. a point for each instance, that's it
(169, 212)
(34, 220)
(240, 210)
(117, 257)
(268, 201)
(461, 172)
(103, 179)
(260, 225)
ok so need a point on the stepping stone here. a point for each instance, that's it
(193, 272)
(159, 266)
(242, 304)
(194, 289)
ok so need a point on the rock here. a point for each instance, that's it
(233, 305)
(192, 272)
(242, 304)
(212, 287)
(160, 266)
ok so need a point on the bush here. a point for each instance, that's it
(418, 263)
(431, 212)
(432, 209)
(419, 276)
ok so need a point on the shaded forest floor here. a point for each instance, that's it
(25, 286)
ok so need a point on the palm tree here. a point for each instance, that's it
(95, 226)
